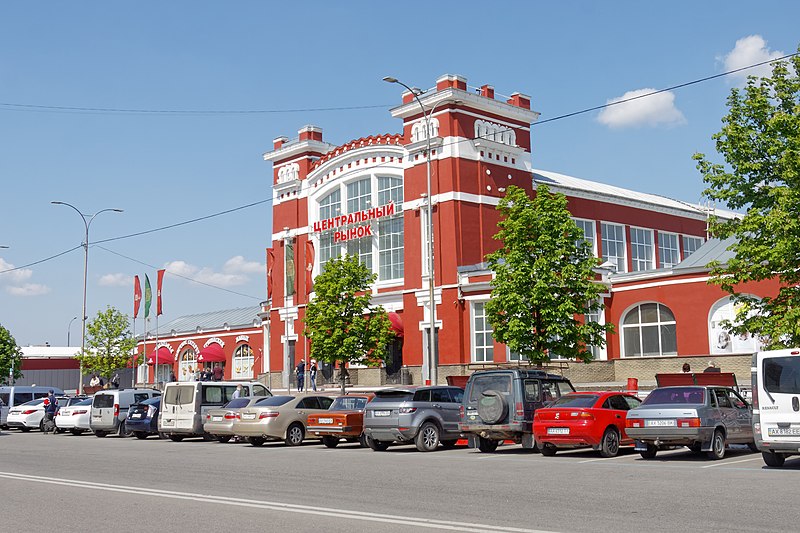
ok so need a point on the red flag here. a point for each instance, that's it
(270, 266)
(137, 296)
(309, 265)
(158, 291)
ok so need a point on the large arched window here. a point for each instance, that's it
(719, 340)
(188, 365)
(649, 330)
(242, 362)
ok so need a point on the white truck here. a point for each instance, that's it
(776, 404)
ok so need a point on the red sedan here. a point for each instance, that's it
(579, 419)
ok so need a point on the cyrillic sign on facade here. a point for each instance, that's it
(349, 219)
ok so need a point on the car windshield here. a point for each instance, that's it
(782, 374)
(274, 401)
(496, 382)
(349, 403)
(237, 403)
(576, 400)
(152, 401)
(676, 395)
(87, 401)
(392, 396)
(34, 402)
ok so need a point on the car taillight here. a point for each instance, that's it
(231, 416)
(519, 409)
(461, 412)
(116, 409)
(586, 415)
(268, 414)
(634, 423)
(208, 416)
(28, 411)
(151, 411)
(407, 410)
(75, 413)
(688, 422)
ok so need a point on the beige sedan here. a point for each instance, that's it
(219, 421)
(279, 418)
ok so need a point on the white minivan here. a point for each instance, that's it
(776, 404)
(13, 395)
(184, 404)
(110, 408)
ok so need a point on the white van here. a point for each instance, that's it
(110, 408)
(13, 395)
(184, 405)
(776, 404)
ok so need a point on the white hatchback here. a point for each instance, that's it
(75, 417)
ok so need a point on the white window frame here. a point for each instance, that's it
(474, 348)
(626, 330)
(590, 236)
(649, 263)
(246, 362)
(184, 364)
(617, 259)
(690, 238)
(661, 248)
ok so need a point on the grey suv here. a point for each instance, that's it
(426, 416)
(499, 405)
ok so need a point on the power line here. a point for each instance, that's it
(41, 260)
(188, 112)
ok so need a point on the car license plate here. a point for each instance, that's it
(558, 431)
(249, 416)
(326, 420)
(136, 415)
(667, 422)
(216, 419)
(774, 432)
(382, 413)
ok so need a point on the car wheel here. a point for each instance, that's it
(449, 444)
(717, 446)
(548, 450)
(427, 439)
(208, 437)
(176, 438)
(377, 445)
(256, 441)
(650, 452)
(140, 435)
(76, 431)
(609, 447)
(294, 435)
(100, 434)
(362, 440)
(752, 446)
(773, 459)
(124, 431)
(223, 438)
(330, 441)
(492, 407)
(162, 435)
(696, 447)
(487, 445)
(60, 430)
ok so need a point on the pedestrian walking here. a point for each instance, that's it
(50, 409)
(312, 374)
(300, 370)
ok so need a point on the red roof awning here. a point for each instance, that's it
(211, 354)
(397, 324)
(165, 357)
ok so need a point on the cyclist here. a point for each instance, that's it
(50, 409)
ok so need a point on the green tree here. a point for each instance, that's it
(760, 143)
(10, 358)
(109, 344)
(340, 321)
(544, 280)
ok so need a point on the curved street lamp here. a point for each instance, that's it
(85, 245)
(429, 366)
(69, 328)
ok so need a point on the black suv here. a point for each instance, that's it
(499, 405)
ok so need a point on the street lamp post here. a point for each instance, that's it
(429, 362)
(85, 273)
(69, 328)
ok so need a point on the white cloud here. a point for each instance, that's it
(658, 109)
(238, 264)
(116, 280)
(16, 276)
(205, 274)
(748, 51)
(28, 289)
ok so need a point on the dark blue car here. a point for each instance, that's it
(142, 418)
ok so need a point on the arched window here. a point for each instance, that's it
(242, 362)
(188, 365)
(719, 340)
(649, 330)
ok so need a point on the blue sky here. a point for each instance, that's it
(165, 168)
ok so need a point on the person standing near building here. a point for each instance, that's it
(686, 368)
(218, 372)
(237, 393)
(712, 367)
(312, 374)
(50, 409)
(301, 371)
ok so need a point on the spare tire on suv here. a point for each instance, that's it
(492, 407)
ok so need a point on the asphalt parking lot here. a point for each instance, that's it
(139, 485)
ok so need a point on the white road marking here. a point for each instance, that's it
(604, 459)
(733, 462)
(272, 506)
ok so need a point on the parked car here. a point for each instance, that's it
(30, 415)
(110, 409)
(219, 422)
(499, 405)
(142, 419)
(75, 417)
(343, 420)
(183, 411)
(427, 416)
(776, 404)
(279, 417)
(705, 419)
(579, 419)
(15, 395)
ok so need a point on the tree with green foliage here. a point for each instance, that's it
(109, 344)
(340, 321)
(544, 282)
(760, 143)
(10, 358)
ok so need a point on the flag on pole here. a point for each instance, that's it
(158, 291)
(309, 265)
(270, 266)
(148, 296)
(137, 296)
